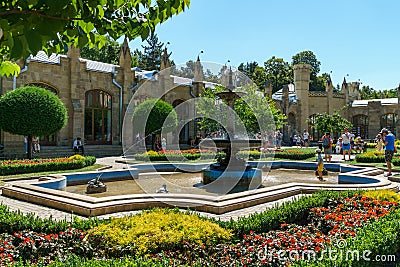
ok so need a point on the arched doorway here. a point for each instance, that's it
(48, 140)
(182, 112)
(98, 110)
(360, 125)
(389, 121)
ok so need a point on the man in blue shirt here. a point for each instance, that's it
(390, 148)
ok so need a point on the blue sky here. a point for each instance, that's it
(360, 38)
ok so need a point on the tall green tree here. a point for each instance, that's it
(186, 71)
(248, 68)
(333, 123)
(154, 116)
(279, 72)
(31, 111)
(307, 57)
(28, 26)
(150, 58)
(109, 53)
(256, 112)
(259, 77)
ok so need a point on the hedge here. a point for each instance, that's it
(376, 157)
(13, 221)
(11, 167)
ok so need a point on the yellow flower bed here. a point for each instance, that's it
(158, 229)
(76, 157)
(382, 195)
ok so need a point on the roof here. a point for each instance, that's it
(42, 57)
(384, 102)
(90, 64)
(292, 94)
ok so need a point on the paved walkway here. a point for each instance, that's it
(114, 163)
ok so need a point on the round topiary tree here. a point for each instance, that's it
(153, 116)
(31, 111)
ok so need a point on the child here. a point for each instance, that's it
(320, 164)
(339, 146)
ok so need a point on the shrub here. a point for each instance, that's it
(76, 157)
(154, 230)
(14, 221)
(10, 167)
(371, 157)
(175, 155)
(383, 195)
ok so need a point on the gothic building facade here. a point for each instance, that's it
(97, 97)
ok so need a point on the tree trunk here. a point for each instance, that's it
(29, 146)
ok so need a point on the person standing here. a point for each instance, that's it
(390, 148)
(164, 145)
(379, 143)
(346, 143)
(320, 164)
(306, 137)
(327, 145)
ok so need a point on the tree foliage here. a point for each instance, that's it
(307, 57)
(154, 116)
(278, 71)
(32, 111)
(368, 92)
(333, 123)
(28, 26)
(259, 77)
(150, 58)
(109, 53)
(256, 112)
(248, 68)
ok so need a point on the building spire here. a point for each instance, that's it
(125, 58)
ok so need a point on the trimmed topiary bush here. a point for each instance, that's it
(32, 111)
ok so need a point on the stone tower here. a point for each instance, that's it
(302, 86)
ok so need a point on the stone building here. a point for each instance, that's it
(97, 96)
(301, 105)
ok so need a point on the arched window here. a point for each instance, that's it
(48, 140)
(98, 112)
(314, 134)
(389, 121)
(360, 125)
(183, 113)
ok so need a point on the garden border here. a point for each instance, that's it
(40, 192)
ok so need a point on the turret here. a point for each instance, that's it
(302, 86)
(198, 71)
(125, 58)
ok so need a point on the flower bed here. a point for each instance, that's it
(10, 167)
(176, 155)
(376, 157)
(317, 223)
(194, 154)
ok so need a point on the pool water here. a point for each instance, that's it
(190, 183)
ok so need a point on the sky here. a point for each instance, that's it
(356, 39)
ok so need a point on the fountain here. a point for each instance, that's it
(96, 186)
(231, 174)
